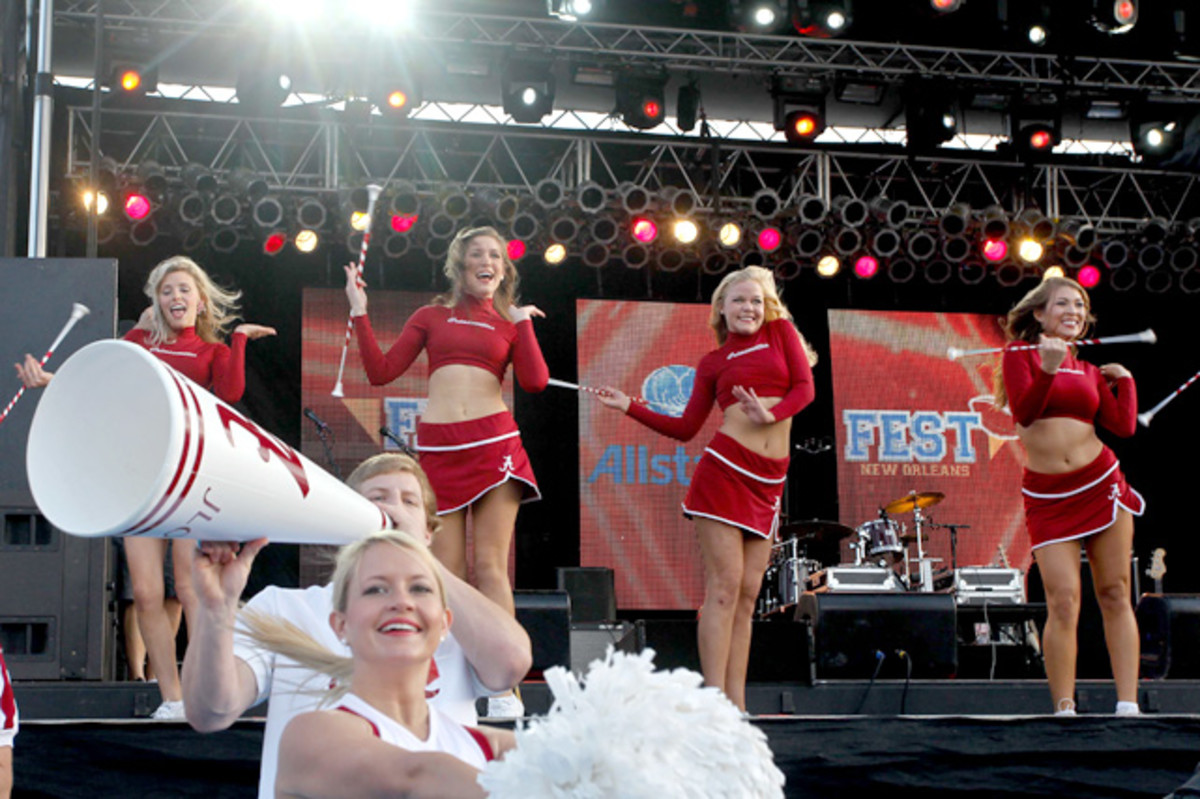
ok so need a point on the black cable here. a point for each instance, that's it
(879, 658)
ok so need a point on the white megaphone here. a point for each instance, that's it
(122, 444)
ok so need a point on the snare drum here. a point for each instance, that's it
(882, 536)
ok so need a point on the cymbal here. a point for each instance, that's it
(816, 530)
(917, 499)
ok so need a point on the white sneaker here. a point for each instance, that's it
(169, 711)
(1127, 709)
(508, 706)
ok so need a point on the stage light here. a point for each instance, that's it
(866, 267)
(921, 245)
(1036, 224)
(901, 270)
(311, 214)
(1114, 253)
(152, 177)
(635, 256)
(359, 220)
(1053, 271)
(307, 241)
(1073, 256)
(253, 187)
(644, 229)
(1114, 16)
(455, 203)
(569, 10)
(994, 250)
(1079, 234)
(595, 255)
(1158, 130)
(406, 201)
(132, 78)
(101, 203)
(809, 242)
(262, 87)
(685, 231)
(1030, 250)
(1010, 274)
(591, 197)
(798, 109)
(945, 6)
(822, 18)
(563, 229)
(846, 241)
(137, 206)
(1088, 276)
(516, 249)
(1035, 125)
(893, 213)
(829, 265)
(525, 226)
(687, 106)
(604, 229)
(442, 226)
(955, 249)
(1151, 257)
(225, 209)
(937, 271)
(931, 113)
(395, 84)
(225, 240)
(850, 210)
(811, 209)
(1159, 282)
(402, 223)
(769, 239)
(641, 100)
(1026, 22)
(274, 243)
(527, 89)
(766, 204)
(634, 199)
(1155, 229)
(555, 254)
(730, 234)
(267, 212)
(191, 209)
(995, 223)
(1184, 257)
(670, 259)
(761, 16)
(956, 220)
(886, 242)
(972, 273)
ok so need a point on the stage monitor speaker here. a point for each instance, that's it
(55, 601)
(781, 651)
(673, 642)
(546, 616)
(592, 590)
(1092, 660)
(36, 299)
(1169, 625)
(852, 632)
(590, 641)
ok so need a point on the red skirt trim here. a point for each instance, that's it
(1072, 505)
(465, 460)
(735, 486)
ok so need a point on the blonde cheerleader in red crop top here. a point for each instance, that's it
(760, 376)
(468, 441)
(1075, 494)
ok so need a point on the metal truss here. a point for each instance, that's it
(317, 152)
(695, 51)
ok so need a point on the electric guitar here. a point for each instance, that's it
(1157, 568)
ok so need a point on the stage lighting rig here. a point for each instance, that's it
(571, 10)
(760, 16)
(1114, 16)
(641, 99)
(1035, 127)
(1158, 130)
(1026, 22)
(822, 19)
(930, 114)
(527, 89)
(799, 109)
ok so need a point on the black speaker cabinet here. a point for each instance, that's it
(593, 595)
(852, 632)
(546, 616)
(1092, 661)
(673, 642)
(1169, 625)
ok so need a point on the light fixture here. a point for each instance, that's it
(811, 209)
(1027, 22)
(921, 245)
(995, 223)
(761, 16)
(604, 229)
(262, 86)
(931, 114)
(137, 205)
(994, 250)
(643, 229)
(686, 231)
(828, 265)
(555, 254)
(225, 209)
(395, 85)
(885, 242)
(1157, 130)
(765, 204)
(1053, 271)
(1030, 250)
(1114, 253)
(851, 211)
(822, 18)
(274, 243)
(846, 241)
(798, 109)
(635, 256)
(866, 267)
(595, 255)
(901, 270)
(132, 75)
(311, 214)
(892, 213)
(1088, 276)
(516, 249)
(570, 10)
(687, 106)
(1035, 126)
(101, 202)
(730, 234)
(267, 212)
(641, 99)
(590, 197)
(955, 220)
(1114, 16)
(769, 239)
(808, 242)
(527, 89)
(307, 240)
(143, 233)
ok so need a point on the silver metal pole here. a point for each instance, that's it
(43, 108)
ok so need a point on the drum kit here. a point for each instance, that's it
(879, 545)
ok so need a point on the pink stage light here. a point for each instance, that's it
(137, 206)
(516, 250)
(866, 266)
(644, 230)
(1088, 276)
(402, 223)
(995, 250)
(769, 239)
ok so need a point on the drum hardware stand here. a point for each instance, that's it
(924, 564)
(953, 528)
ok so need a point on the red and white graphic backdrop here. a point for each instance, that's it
(631, 479)
(909, 419)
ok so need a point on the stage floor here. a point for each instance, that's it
(868, 749)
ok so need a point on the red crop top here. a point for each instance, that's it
(470, 333)
(772, 362)
(1077, 391)
(219, 368)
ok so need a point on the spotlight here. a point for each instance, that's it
(1027, 22)
(1036, 138)
(516, 249)
(225, 209)
(769, 239)
(945, 6)
(766, 204)
(901, 270)
(730, 234)
(809, 242)
(525, 226)
(442, 226)
(955, 249)
(787, 271)
(1009, 275)
(937, 272)
(972, 273)
(714, 262)
(405, 199)
(1088, 276)
(822, 18)
(682, 202)
(866, 267)
(1030, 250)
(569, 10)
(670, 259)
(921, 245)
(846, 241)
(1035, 126)
(267, 212)
(1073, 256)
(394, 246)
(1159, 282)
(930, 114)
(132, 78)
(192, 240)
(1151, 257)
(590, 197)
(886, 242)
(810, 209)
(994, 250)
(359, 221)
(760, 16)
(152, 177)
(995, 223)
(198, 177)
(1184, 257)
(555, 254)
(850, 210)
(274, 243)
(799, 109)
(403, 224)
(1155, 229)
(1114, 253)
(1036, 224)
(143, 233)
(137, 205)
(956, 220)
(595, 255)
(1114, 16)
(685, 231)
(311, 214)
(261, 87)
(395, 84)
(563, 229)
(527, 89)
(635, 256)
(687, 106)
(829, 265)
(254, 188)
(644, 229)
(893, 213)
(1123, 279)
(604, 229)
(455, 203)
(191, 209)
(641, 100)
(634, 199)
(1053, 271)
(101, 201)
(1078, 234)
(1158, 130)
(225, 240)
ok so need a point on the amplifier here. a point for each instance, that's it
(856, 578)
(979, 585)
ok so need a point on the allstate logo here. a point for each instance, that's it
(668, 389)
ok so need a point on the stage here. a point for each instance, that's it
(844, 738)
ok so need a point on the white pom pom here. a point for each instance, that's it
(632, 732)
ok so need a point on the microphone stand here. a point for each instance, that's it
(954, 528)
(325, 433)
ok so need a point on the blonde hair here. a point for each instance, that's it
(286, 639)
(456, 262)
(391, 463)
(773, 307)
(218, 307)
(1022, 325)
